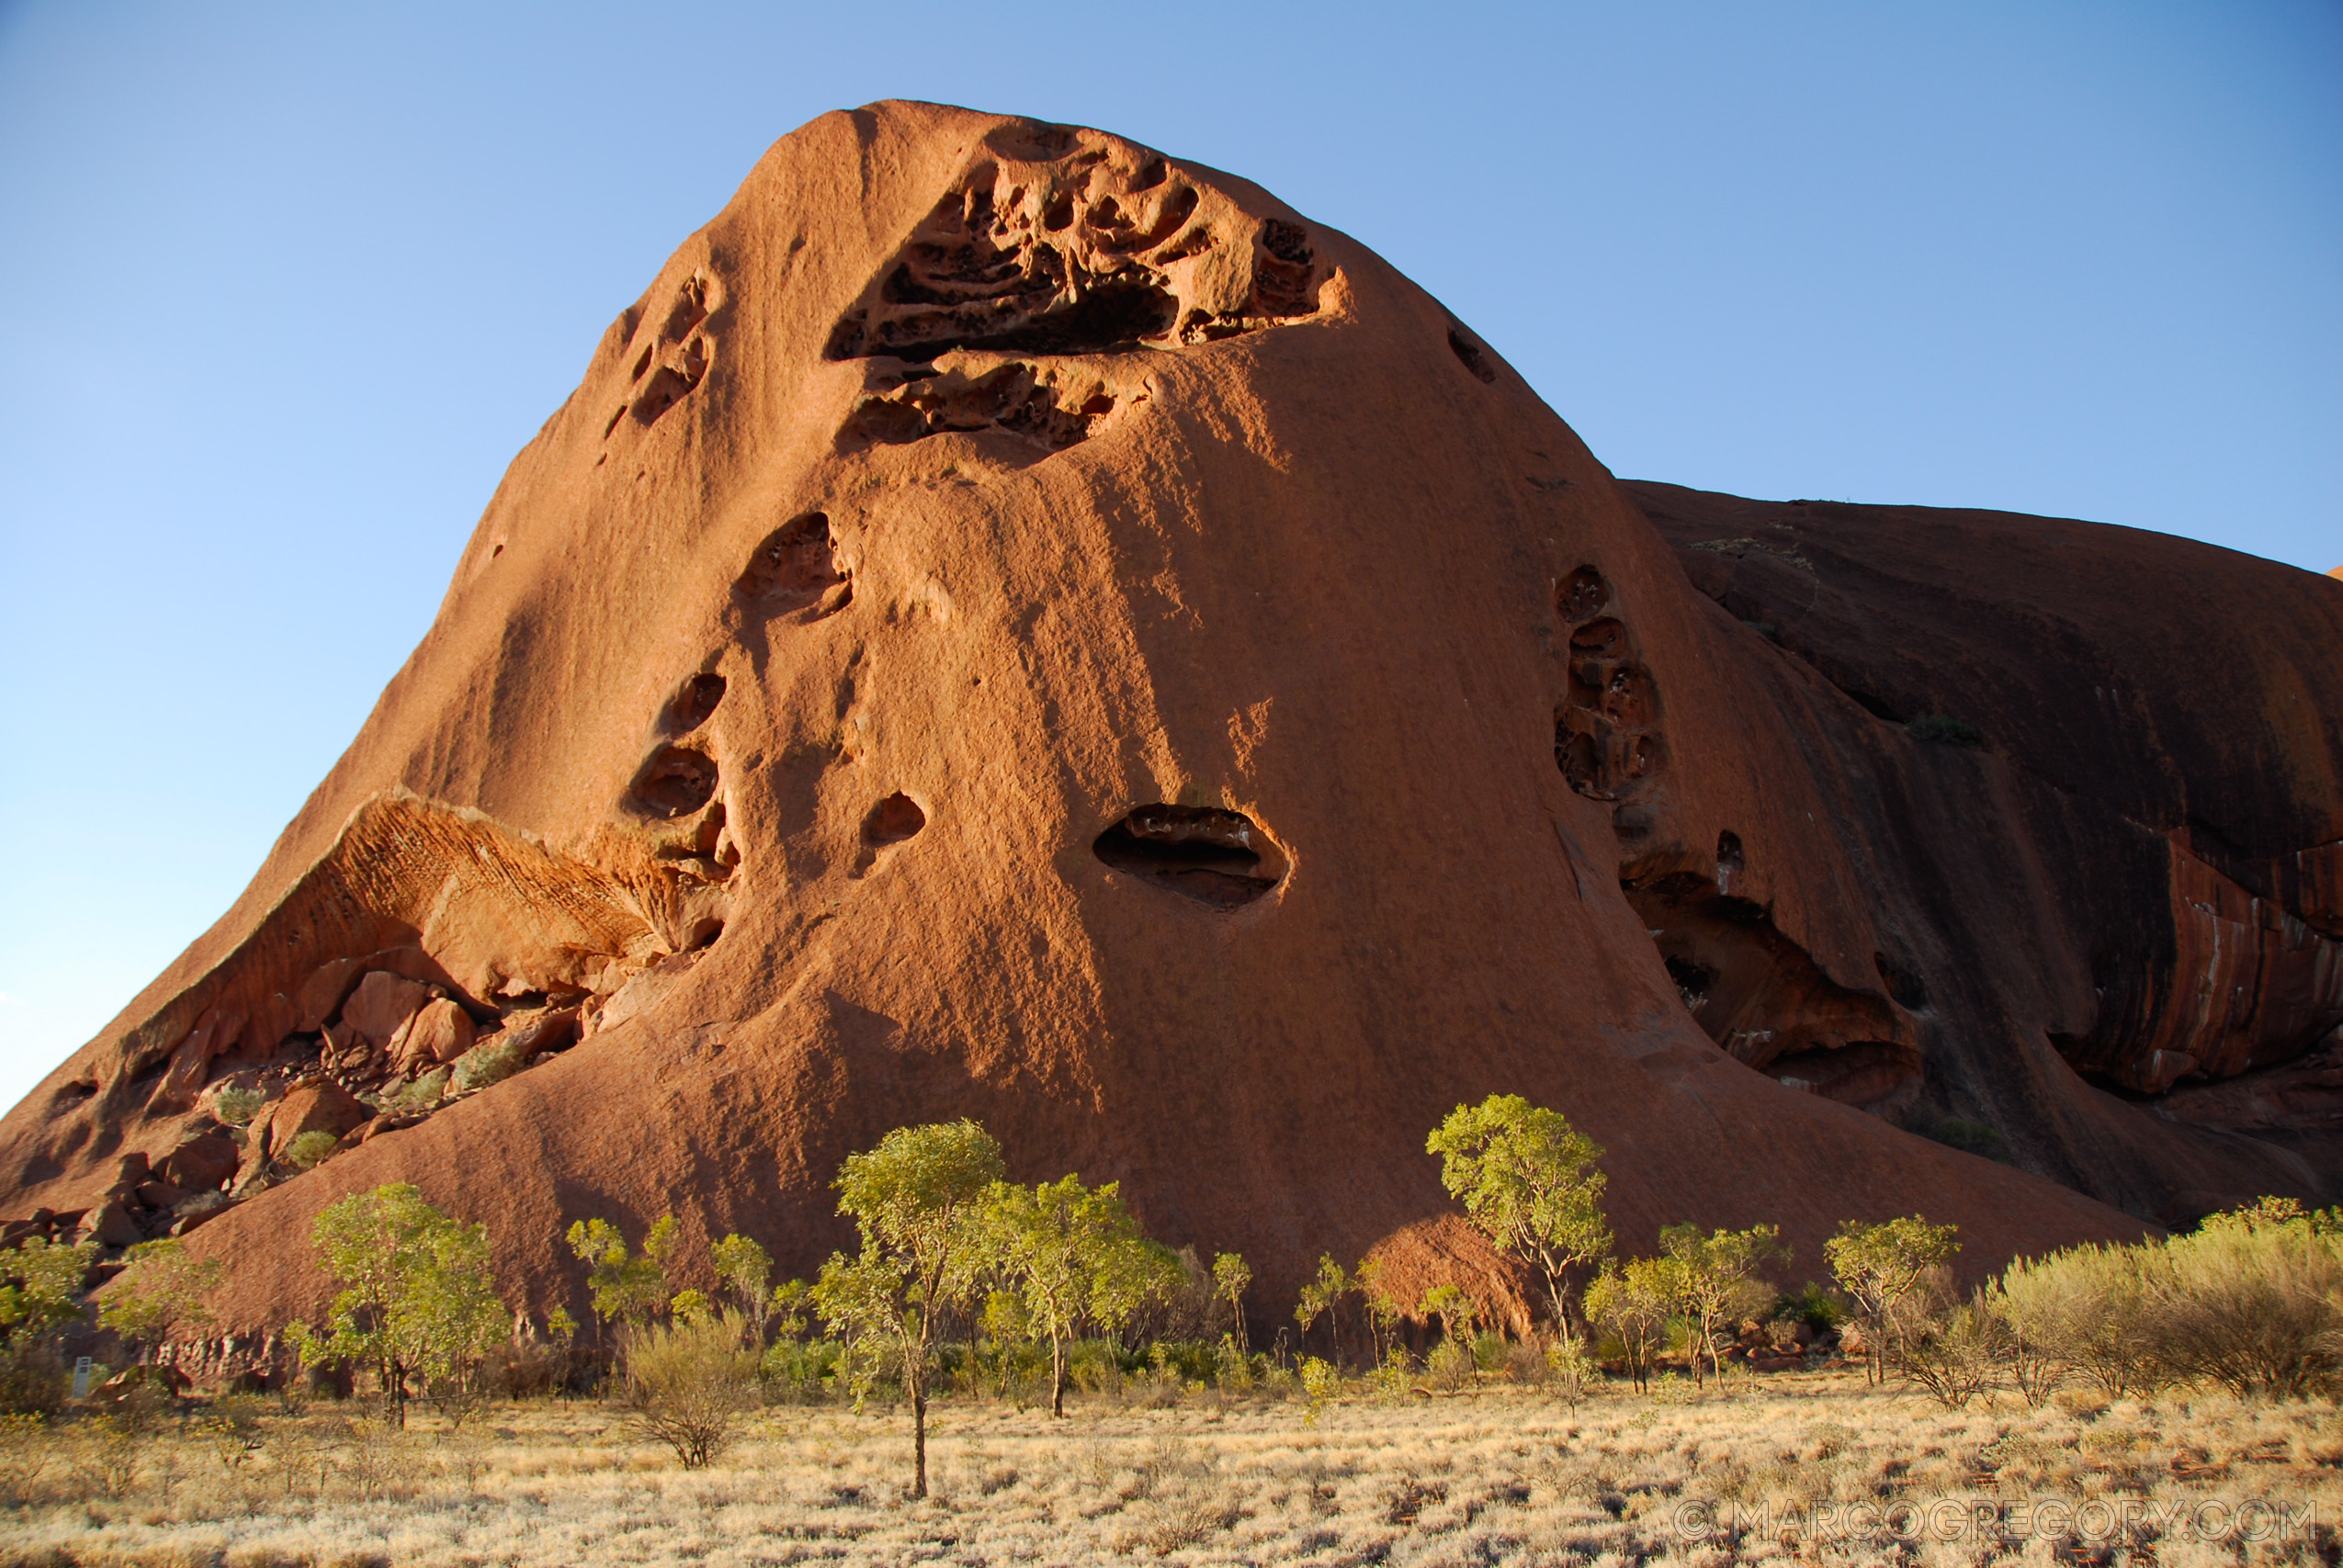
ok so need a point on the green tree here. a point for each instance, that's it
(1633, 1302)
(1384, 1310)
(1880, 1265)
(1457, 1312)
(1322, 1298)
(627, 1288)
(417, 1297)
(917, 1201)
(162, 1291)
(1069, 1255)
(1230, 1275)
(746, 1271)
(42, 1289)
(1527, 1179)
(1718, 1279)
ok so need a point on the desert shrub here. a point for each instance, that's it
(1095, 1368)
(423, 1093)
(1188, 1307)
(234, 1106)
(1392, 1380)
(1977, 1138)
(2087, 1308)
(311, 1149)
(688, 1381)
(2036, 1317)
(1322, 1385)
(1450, 1365)
(1948, 1348)
(525, 1370)
(1817, 1306)
(1945, 730)
(1569, 1367)
(487, 1064)
(1185, 1359)
(1232, 1368)
(41, 1295)
(800, 1372)
(33, 1382)
(107, 1454)
(2253, 1301)
(27, 1450)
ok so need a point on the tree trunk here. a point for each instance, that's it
(919, 1437)
(1056, 1375)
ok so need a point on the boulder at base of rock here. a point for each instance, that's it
(438, 1035)
(322, 1106)
(202, 1163)
(382, 1004)
(109, 1224)
(536, 1035)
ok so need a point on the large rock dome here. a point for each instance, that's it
(1014, 624)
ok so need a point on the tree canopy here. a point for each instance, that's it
(1528, 1180)
(417, 1297)
(917, 1201)
(1071, 1254)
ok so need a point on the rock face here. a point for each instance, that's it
(1015, 625)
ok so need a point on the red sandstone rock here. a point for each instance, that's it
(109, 1224)
(202, 1163)
(322, 1106)
(437, 1034)
(381, 1006)
(1013, 625)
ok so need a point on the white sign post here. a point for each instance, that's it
(80, 1377)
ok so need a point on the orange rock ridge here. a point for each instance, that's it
(1015, 625)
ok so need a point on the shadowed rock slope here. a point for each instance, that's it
(1013, 625)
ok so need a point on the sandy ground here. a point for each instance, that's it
(1809, 1467)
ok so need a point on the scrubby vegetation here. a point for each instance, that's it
(1029, 1310)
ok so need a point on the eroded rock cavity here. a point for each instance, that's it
(1765, 1000)
(673, 359)
(797, 566)
(1050, 410)
(1089, 250)
(1216, 857)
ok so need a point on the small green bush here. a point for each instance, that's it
(1970, 1138)
(237, 1107)
(311, 1149)
(485, 1064)
(425, 1092)
(1819, 1307)
(1945, 730)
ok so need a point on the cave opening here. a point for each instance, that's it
(1218, 858)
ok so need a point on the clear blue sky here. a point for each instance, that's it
(286, 286)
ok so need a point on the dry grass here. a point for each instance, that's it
(1496, 1475)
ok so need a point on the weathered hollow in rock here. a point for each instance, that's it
(1214, 856)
